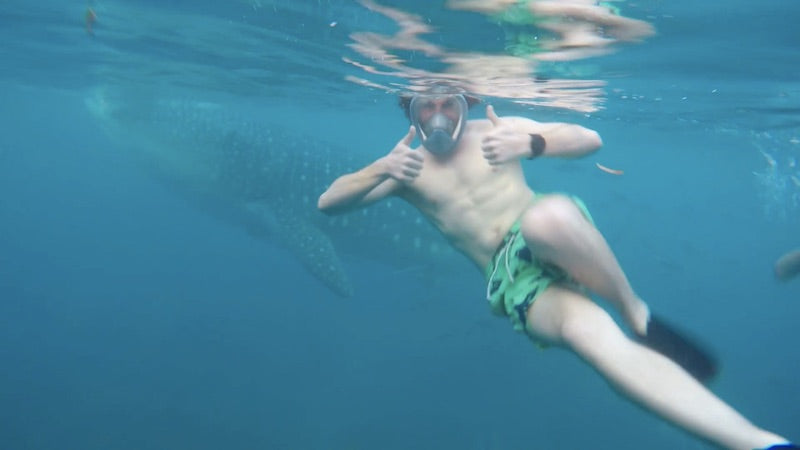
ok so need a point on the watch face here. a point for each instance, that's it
(537, 145)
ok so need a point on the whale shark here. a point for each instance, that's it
(265, 179)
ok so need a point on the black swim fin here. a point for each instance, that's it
(672, 343)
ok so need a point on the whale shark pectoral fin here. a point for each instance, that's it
(310, 245)
(261, 220)
(315, 251)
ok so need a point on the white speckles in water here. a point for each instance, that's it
(389, 204)
(779, 181)
(303, 177)
(417, 243)
(305, 199)
(418, 221)
(364, 213)
(345, 222)
(770, 160)
(396, 237)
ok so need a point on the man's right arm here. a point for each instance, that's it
(358, 189)
(380, 179)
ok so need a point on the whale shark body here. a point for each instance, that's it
(265, 179)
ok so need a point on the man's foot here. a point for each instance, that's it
(637, 315)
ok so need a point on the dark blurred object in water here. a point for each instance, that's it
(788, 265)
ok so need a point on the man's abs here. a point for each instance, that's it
(476, 227)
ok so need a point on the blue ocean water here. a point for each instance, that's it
(133, 317)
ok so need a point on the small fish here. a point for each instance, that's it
(91, 18)
(609, 170)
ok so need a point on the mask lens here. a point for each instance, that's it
(439, 120)
(425, 109)
(451, 108)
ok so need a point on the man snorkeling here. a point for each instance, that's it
(540, 253)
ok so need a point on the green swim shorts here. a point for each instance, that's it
(515, 277)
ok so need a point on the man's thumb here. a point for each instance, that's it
(492, 116)
(408, 138)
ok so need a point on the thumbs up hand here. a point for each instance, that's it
(503, 143)
(403, 163)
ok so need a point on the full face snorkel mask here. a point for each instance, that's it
(439, 120)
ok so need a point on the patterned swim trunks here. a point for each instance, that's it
(515, 277)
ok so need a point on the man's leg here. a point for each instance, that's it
(556, 231)
(567, 318)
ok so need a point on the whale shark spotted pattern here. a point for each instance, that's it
(267, 180)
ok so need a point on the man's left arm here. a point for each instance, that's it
(514, 138)
(560, 140)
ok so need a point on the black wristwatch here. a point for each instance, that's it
(537, 145)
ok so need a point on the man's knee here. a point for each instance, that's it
(586, 330)
(549, 218)
(589, 330)
(569, 318)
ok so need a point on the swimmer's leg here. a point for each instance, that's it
(557, 231)
(569, 319)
